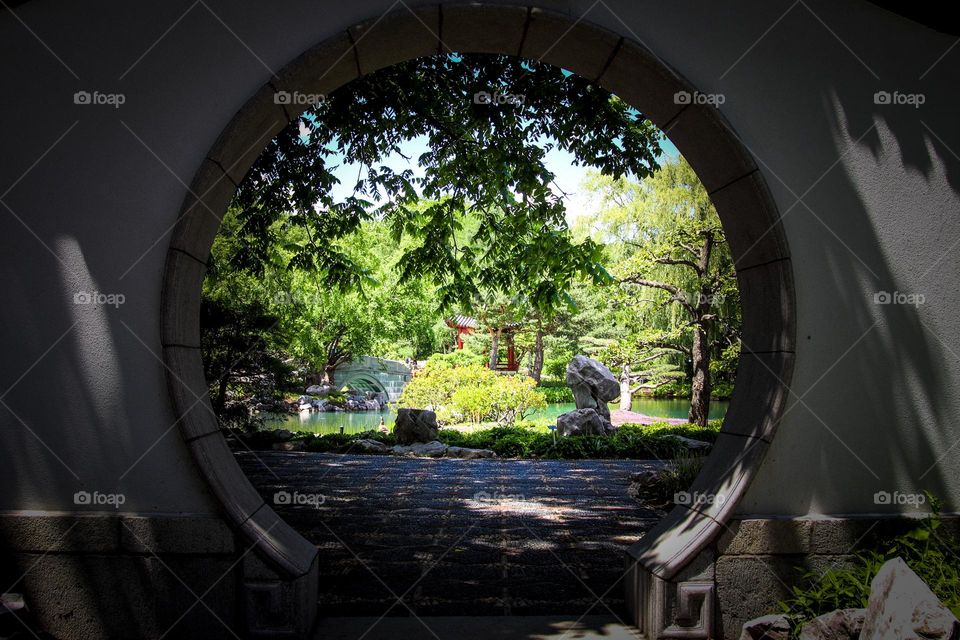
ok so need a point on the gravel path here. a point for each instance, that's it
(460, 537)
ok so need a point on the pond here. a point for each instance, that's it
(322, 422)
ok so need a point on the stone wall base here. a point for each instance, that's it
(106, 575)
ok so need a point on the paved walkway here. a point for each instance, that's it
(487, 628)
(460, 537)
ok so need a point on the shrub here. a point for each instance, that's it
(458, 358)
(679, 475)
(556, 392)
(706, 434)
(435, 385)
(471, 392)
(676, 389)
(556, 367)
(514, 397)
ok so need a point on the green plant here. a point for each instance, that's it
(679, 475)
(926, 548)
(556, 392)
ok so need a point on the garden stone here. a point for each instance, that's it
(901, 606)
(322, 390)
(282, 435)
(372, 446)
(583, 422)
(435, 449)
(772, 627)
(415, 425)
(592, 384)
(288, 446)
(842, 624)
(693, 445)
(469, 454)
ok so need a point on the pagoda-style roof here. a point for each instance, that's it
(463, 322)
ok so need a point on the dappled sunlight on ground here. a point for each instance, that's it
(460, 537)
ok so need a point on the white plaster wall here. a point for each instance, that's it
(878, 383)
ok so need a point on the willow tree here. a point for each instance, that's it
(484, 160)
(676, 275)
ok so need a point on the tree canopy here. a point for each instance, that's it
(488, 123)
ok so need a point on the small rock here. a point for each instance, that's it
(469, 454)
(842, 624)
(434, 449)
(372, 446)
(321, 390)
(901, 606)
(288, 446)
(772, 627)
(282, 435)
(693, 445)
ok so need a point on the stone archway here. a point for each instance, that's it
(667, 570)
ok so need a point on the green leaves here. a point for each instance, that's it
(485, 161)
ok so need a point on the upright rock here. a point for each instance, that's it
(593, 386)
(415, 425)
(902, 606)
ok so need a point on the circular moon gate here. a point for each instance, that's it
(666, 570)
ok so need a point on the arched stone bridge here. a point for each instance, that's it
(368, 373)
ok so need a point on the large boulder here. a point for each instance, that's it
(901, 606)
(583, 422)
(415, 425)
(842, 624)
(772, 627)
(592, 384)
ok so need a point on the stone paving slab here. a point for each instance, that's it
(461, 537)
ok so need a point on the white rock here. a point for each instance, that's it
(903, 607)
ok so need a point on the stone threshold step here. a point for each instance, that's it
(476, 628)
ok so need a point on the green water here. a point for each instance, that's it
(357, 422)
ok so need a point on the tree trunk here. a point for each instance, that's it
(494, 348)
(700, 396)
(328, 372)
(537, 369)
(626, 393)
